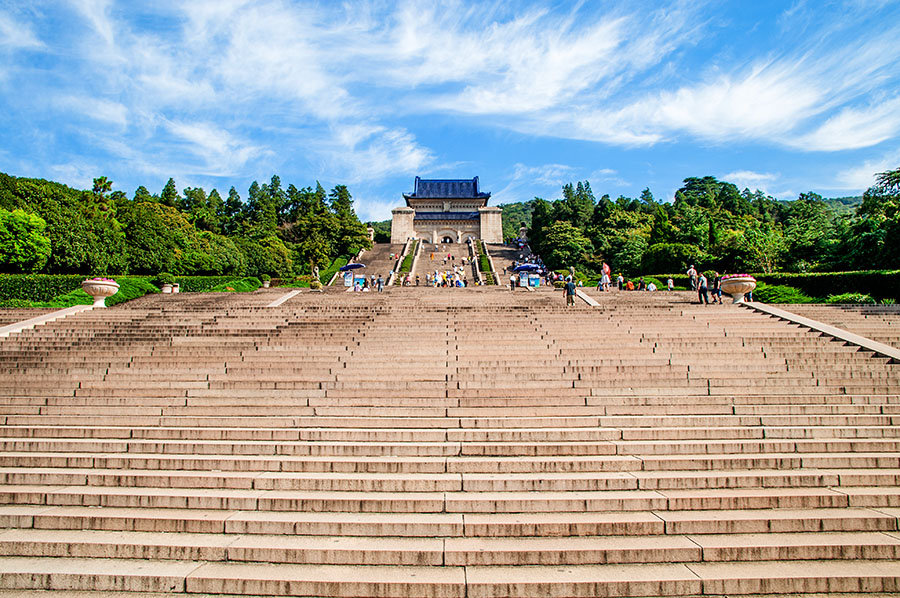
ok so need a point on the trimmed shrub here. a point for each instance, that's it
(201, 284)
(852, 298)
(130, 287)
(780, 293)
(37, 287)
(879, 284)
(239, 285)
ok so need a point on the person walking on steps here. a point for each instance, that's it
(692, 274)
(703, 289)
(570, 292)
(380, 284)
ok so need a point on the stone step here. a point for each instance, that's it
(764, 577)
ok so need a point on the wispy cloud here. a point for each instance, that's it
(862, 176)
(750, 180)
(525, 182)
(15, 34)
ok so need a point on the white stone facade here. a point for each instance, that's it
(447, 211)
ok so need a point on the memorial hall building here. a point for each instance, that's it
(446, 211)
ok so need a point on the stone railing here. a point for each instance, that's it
(476, 269)
(399, 261)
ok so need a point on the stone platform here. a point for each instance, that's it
(444, 442)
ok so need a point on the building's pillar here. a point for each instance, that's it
(491, 220)
(402, 224)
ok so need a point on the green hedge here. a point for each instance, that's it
(200, 284)
(46, 287)
(880, 284)
(238, 285)
(37, 287)
(130, 287)
(326, 274)
(406, 264)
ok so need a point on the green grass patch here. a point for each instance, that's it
(780, 293)
(851, 298)
(129, 288)
(240, 285)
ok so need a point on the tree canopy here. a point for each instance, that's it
(713, 224)
(52, 228)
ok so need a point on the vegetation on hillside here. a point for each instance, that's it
(51, 228)
(713, 224)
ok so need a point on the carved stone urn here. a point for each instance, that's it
(99, 289)
(737, 285)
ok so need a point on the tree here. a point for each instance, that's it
(169, 195)
(889, 181)
(564, 245)
(232, 222)
(102, 186)
(763, 245)
(23, 245)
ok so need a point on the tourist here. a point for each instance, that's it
(629, 286)
(570, 292)
(604, 280)
(670, 284)
(692, 274)
(702, 289)
(717, 288)
(620, 281)
(651, 287)
(512, 282)
(380, 283)
(417, 280)
(641, 285)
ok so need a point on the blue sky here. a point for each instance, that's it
(786, 97)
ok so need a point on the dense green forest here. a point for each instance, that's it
(48, 227)
(714, 225)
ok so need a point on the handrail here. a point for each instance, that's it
(416, 254)
(473, 255)
(397, 263)
(491, 264)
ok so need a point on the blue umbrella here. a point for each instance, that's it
(526, 267)
(352, 267)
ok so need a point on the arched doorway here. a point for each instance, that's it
(447, 239)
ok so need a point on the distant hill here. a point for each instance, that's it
(843, 205)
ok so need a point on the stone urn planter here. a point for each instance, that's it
(737, 285)
(266, 284)
(99, 289)
(166, 288)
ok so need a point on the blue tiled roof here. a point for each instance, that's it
(446, 216)
(446, 189)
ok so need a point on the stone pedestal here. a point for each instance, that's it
(402, 224)
(491, 224)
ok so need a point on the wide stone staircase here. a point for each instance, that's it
(877, 322)
(378, 260)
(424, 443)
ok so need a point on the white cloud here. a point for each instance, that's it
(854, 128)
(365, 152)
(527, 181)
(750, 180)
(862, 176)
(96, 12)
(16, 35)
(95, 108)
(220, 153)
